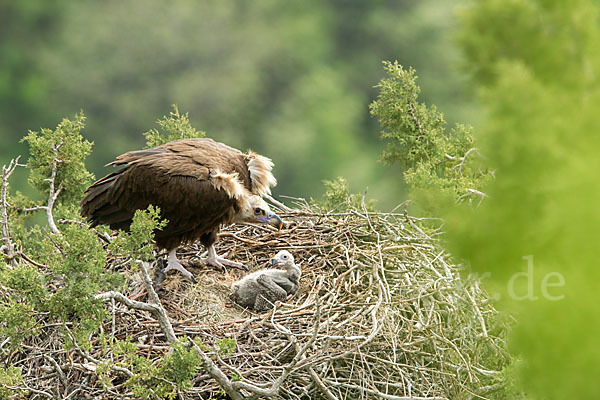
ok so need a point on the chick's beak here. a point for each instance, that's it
(274, 262)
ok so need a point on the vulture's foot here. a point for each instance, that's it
(173, 263)
(220, 261)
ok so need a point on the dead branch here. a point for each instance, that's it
(54, 192)
(9, 247)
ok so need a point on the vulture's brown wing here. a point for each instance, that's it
(200, 151)
(174, 177)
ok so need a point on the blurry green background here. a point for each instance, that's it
(290, 80)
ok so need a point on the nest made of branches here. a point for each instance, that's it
(381, 312)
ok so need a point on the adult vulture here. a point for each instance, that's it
(199, 185)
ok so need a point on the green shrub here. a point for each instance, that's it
(440, 165)
(71, 150)
(173, 127)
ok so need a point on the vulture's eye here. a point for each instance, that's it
(284, 256)
(258, 211)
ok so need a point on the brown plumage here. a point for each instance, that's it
(198, 184)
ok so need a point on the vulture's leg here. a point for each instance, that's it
(208, 240)
(269, 293)
(173, 263)
(221, 262)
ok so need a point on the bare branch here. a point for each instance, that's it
(121, 298)
(278, 203)
(319, 383)
(9, 246)
(83, 225)
(472, 192)
(461, 159)
(159, 312)
(30, 261)
(53, 194)
(32, 209)
(59, 371)
(218, 375)
(32, 390)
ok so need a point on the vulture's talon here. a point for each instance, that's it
(173, 263)
(221, 262)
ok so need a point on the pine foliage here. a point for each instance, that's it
(440, 164)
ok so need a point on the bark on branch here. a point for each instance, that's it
(53, 194)
(8, 247)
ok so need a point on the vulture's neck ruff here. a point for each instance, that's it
(230, 184)
(260, 174)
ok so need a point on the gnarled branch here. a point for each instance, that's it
(9, 246)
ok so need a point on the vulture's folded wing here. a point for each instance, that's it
(190, 194)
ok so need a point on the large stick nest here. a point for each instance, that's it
(381, 313)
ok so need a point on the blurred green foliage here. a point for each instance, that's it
(537, 64)
(292, 81)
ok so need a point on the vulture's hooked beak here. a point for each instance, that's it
(273, 220)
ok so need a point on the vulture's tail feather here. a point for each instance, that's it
(99, 205)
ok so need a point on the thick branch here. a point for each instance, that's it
(59, 371)
(218, 375)
(32, 390)
(319, 383)
(155, 308)
(160, 312)
(32, 209)
(121, 298)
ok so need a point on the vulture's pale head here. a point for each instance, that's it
(256, 210)
(283, 259)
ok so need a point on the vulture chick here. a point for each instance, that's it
(261, 289)
(198, 184)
